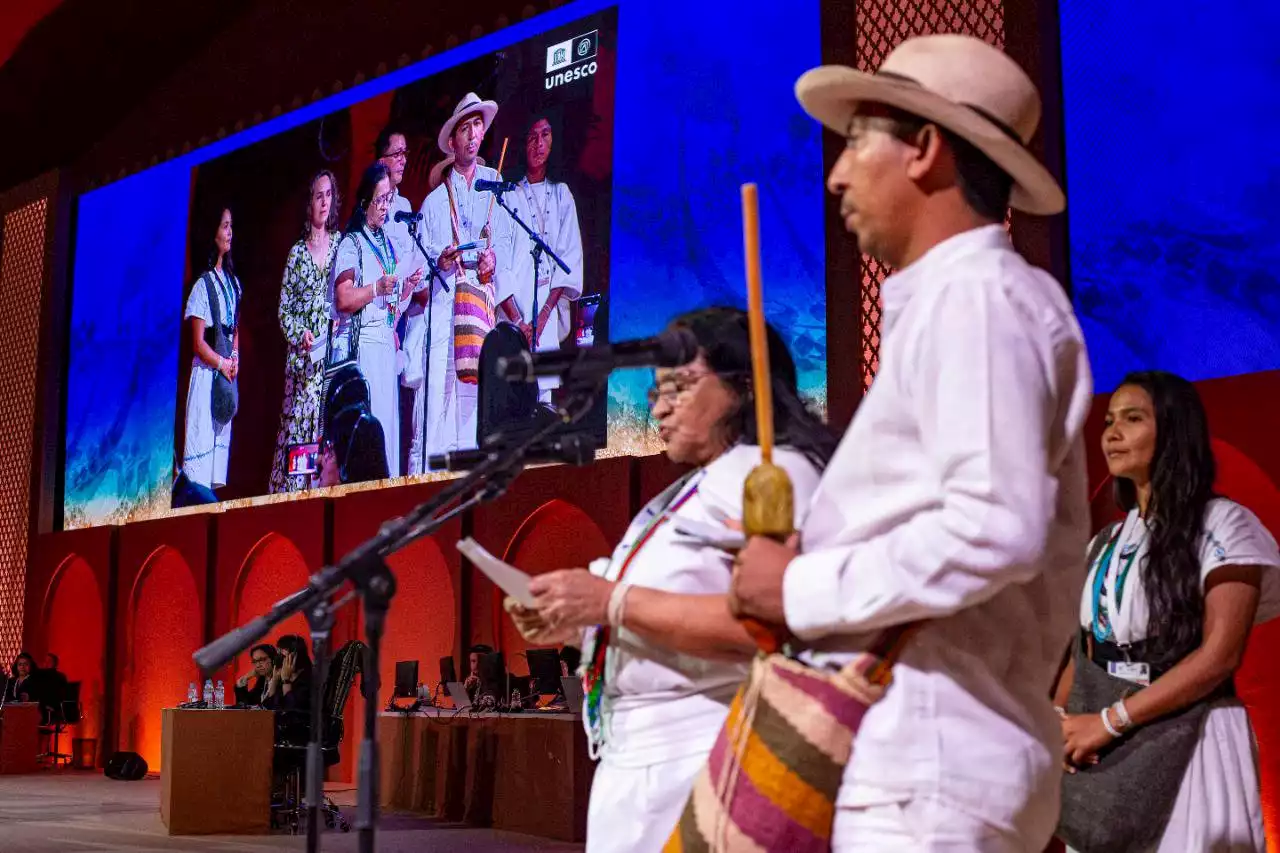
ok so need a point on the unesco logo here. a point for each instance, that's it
(572, 59)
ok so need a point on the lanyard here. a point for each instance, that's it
(1104, 632)
(386, 244)
(593, 678)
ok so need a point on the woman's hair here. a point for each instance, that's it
(297, 645)
(207, 236)
(364, 195)
(31, 662)
(331, 223)
(571, 656)
(1182, 474)
(268, 650)
(725, 343)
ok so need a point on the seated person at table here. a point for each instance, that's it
(475, 653)
(570, 659)
(252, 687)
(24, 682)
(292, 677)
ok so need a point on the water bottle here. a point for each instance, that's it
(208, 693)
(219, 696)
(192, 696)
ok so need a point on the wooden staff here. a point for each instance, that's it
(768, 500)
(488, 220)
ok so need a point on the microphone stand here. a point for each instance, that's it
(426, 347)
(539, 247)
(366, 569)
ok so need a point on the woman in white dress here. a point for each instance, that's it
(368, 299)
(662, 656)
(208, 442)
(1172, 593)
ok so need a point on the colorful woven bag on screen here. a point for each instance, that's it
(771, 781)
(474, 311)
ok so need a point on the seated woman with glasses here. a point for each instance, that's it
(252, 687)
(663, 656)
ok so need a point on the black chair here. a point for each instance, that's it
(65, 710)
(293, 729)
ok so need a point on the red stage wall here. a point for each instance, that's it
(423, 623)
(264, 554)
(161, 597)
(69, 582)
(552, 518)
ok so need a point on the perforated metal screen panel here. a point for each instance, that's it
(22, 252)
(882, 26)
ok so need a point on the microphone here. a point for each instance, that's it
(575, 448)
(671, 348)
(498, 187)
(408, 216)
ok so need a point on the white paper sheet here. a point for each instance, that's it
(509, 579)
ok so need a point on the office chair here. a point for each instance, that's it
(63, 712)
(293, 731)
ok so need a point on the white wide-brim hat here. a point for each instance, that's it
(957, 82)
(471, 103)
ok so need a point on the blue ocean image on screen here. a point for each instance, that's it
(696, 115)
(1172, 178)
(122, 373)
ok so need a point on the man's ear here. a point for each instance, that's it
(927, 150)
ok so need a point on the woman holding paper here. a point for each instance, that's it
(662, 655)
(304, 321)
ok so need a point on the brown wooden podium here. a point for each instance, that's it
(19, 737)
(215, 771)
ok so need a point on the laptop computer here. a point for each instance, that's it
(458, 693)
(572, 693)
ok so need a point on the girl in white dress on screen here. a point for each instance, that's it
(1178, 584)
(208, 442)
(662, 656)
(368, 297)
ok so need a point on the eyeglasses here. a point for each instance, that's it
(402, 154)
(385, 199)
(669, 390)
(262, 660)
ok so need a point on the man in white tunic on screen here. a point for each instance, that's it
(471, 240)
(548, 208)
(957, 500)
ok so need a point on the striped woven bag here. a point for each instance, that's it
(771, 781)
(474, 312)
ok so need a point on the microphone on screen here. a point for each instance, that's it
(670, 348)
(498, 187)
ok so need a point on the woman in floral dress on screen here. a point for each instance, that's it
(304, 320)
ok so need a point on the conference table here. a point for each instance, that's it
(528, 772)
(215, 771)
(19, 737)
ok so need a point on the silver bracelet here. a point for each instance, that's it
(617, 604)
(1106, 724)
(1122, 714)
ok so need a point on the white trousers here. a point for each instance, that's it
(919, 825)
(634, 809)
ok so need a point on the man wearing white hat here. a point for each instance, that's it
(456, 214)
(957, 499)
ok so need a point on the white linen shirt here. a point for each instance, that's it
(958, 496)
